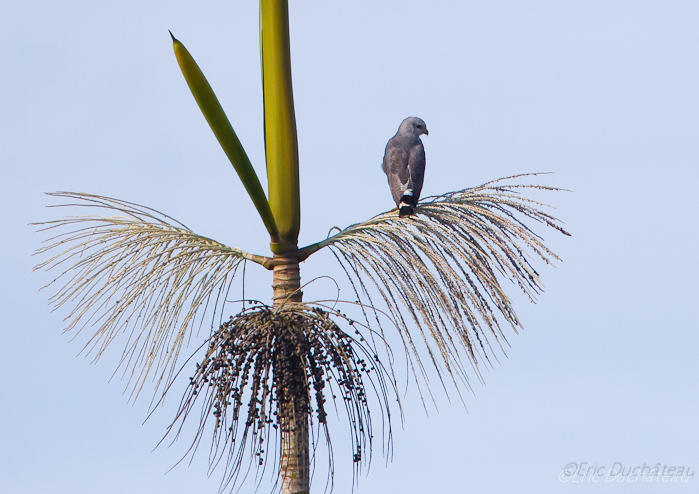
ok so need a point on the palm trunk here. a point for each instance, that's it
(281, 151)
(292, 390)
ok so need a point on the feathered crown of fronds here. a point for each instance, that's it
(436, 274)
(437, 271)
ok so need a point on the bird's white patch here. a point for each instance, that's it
(408, 192)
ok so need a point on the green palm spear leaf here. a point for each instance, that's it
(131, 274)
(223, 130)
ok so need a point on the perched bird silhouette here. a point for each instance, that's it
(404, 164)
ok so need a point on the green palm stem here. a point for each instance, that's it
(281, 146)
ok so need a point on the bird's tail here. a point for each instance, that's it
(407, 203)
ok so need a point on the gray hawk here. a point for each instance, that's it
(404, 164)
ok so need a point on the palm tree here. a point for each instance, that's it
(269, 371)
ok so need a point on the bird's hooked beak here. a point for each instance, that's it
(426, 132)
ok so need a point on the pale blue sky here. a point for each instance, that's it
(604, 93)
